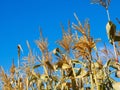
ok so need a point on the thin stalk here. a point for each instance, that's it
(55, 88)
(18, 59)
(91, 80)
(97, 84)
(108, 14)
(18, 66)
(27, 87)
(74, 82)
(18, 83)
(19, 49)
(45, 69)
(115, 51)
(91, 72)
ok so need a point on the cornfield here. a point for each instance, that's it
(76, 64)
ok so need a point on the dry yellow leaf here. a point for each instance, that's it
(65, 66)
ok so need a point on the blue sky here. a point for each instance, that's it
(20, 21)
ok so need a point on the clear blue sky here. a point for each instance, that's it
(20, 21)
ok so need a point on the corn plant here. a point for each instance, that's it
(76, 64)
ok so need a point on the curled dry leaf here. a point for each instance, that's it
(57, 52)
(48, 61)
(65, 66)
(61, 61)
(44, 77)
(118, 73)
(116, 86)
